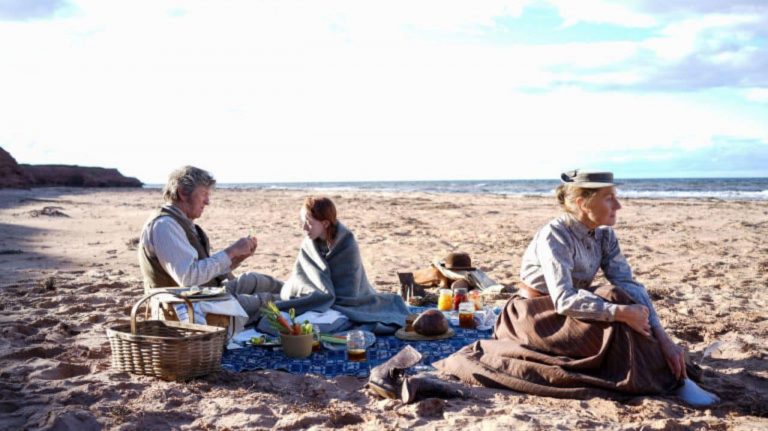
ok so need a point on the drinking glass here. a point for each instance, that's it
(315, 338)
(467, 315)
(356, 346)
(445, 300)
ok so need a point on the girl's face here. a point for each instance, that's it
(601, 209)
(313, 228)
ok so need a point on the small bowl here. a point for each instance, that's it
(297, 346)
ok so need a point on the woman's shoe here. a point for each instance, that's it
(420, 387)
(387, 378)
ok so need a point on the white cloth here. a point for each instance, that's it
(317, 318)
(166, 239)
(482, 281)
(242, 337)
(229, 307)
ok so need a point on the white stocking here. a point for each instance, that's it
(694, 395)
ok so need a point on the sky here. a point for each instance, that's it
(285, 91)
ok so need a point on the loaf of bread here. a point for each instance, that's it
(431, 322)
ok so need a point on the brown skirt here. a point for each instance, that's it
(540, 352)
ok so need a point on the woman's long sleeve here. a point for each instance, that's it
(618, 272)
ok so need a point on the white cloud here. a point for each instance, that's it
(601, 11)
(709, 33)
(270, 91)
(759, 95)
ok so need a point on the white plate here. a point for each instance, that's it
(370, 338)
(206, 292)
(268, 342)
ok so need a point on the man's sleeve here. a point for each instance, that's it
(179, 258)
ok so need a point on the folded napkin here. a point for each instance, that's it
(318, 318)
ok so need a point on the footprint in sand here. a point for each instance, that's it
(34, 352)
(8, 407)
(73, 420)
(76, 396)
(79, 308)
(61, 371)
(45, 322)
(17, 331)
(95, 318)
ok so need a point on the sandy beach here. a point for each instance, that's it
(66, 278)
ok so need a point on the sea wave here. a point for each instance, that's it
(678, 188)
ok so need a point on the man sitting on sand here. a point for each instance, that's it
(173, 251)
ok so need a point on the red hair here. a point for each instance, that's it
(323, 209)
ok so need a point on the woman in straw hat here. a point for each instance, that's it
(561, 335)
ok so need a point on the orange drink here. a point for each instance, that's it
(445, 300)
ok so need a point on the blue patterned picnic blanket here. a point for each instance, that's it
(331, 363)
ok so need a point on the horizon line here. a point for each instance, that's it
(473, 180)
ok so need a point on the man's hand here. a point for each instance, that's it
(241, 249)
(237, 261)
(636, 316)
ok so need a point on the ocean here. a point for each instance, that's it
(651, 188)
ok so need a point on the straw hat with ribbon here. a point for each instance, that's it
(455, 266)
(589, 179)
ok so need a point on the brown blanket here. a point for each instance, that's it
(540, 352)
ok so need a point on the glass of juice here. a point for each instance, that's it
(477, 299)
(356, 346)
(459, 297)
(445, 300)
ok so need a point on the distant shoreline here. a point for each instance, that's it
(749, 189)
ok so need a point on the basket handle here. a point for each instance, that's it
(190, 308)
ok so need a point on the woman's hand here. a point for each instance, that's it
(674, 354)
(635, 316)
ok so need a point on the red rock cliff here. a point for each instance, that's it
(23, 176)
(11, 175)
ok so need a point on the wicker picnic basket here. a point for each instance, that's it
(165, 349)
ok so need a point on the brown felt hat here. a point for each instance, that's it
(458, 261)
(589, 179)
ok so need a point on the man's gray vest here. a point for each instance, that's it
(153, 272)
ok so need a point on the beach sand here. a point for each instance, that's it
(66, 279)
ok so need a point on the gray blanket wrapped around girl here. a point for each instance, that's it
(329, 274)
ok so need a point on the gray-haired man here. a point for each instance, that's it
(173, 251)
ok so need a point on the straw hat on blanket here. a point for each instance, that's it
(458, 266)
(455, 266)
